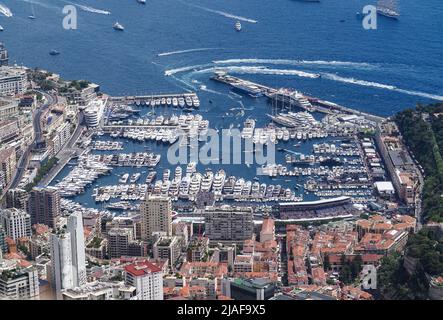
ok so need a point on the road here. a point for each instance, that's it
(50, 100)
(36, 122)
(66, 153)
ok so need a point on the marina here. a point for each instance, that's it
(183, 100)
(317, 146)
(192, 185)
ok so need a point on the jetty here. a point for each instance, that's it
(289, 97)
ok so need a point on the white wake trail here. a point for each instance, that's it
(43, 5)
(295, 62)
(88, 9)
(377, 85)
(164, 54)
(259, 70)
(92, 10)
(4, 10)
(185, 69)
(221, 13)
(364, 83)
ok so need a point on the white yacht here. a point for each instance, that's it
(184, 187)
(181, 102)
(285, 135)
(188, 101)
(238, 26)
(135, 177)
(151, 176)
(178, 173)
(194, 186)
(174, 188)
(158, 187)
(238, 187)
(124, 178)
(117, 26)
(219, 181)
(248, 129)
(166, 174)
(195, 101)
(165, 188)
(247, 188)
(207, 181)
(191, 168)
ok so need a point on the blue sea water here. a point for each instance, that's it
(405, 54)
(175, 45)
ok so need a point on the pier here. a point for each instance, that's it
(289, 97)
(144, 98)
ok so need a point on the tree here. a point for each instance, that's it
(345, 274)
(326, 263)
(356, 266)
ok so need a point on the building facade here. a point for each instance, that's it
(44, 206)
(19, 284)
(12, 81)
(146, 278)
(75, 228)
(156, 216)
(228, 224)
(8, 162)
(16, 222)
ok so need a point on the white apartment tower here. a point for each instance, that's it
(68, 256)
(61, 262)
(75, 228)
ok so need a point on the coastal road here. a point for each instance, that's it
(418, 201)
(36, 121)
(66, 153)
(49, 101)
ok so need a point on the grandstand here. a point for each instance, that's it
(340, 207)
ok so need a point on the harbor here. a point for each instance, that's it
(319, 152)
(315, 159)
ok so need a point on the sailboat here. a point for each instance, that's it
(388, 8)
(32, 16)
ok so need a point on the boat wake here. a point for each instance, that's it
(94, 10)
(297, 62)
(222, 13)
(364, 83)
(224, 65)
(259, 70)
(164, 54)
(91, 9)
(188, 87)
(200, 69)
(377, 85)
(205, 89)
(4, 10)
(185, 69)
(43, 5)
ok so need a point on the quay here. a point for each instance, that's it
(146, 97)
(289, 97)
(112, 127)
